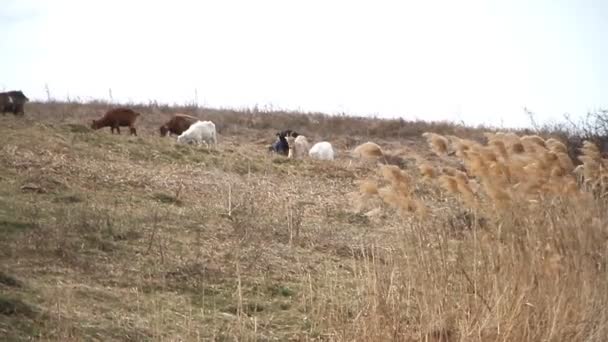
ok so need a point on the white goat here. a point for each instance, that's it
(322, 151)
(298, 147)
(199, 132)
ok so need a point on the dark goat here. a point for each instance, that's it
(5, 103)
(288, 132)
(115, 118)
(13, 102)
(177, 124)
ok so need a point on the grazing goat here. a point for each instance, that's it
(298, 146)
(115, 118)
(198, 133)
(288, 133)
(177, 124)
(322, 151)
(280, 146)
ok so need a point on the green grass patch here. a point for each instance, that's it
(166, 198)
(8, 226)
(68, 199)
(281, 290)
(77, 128)
(9, 280)
(10, 306)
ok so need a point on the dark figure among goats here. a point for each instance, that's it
(281, 146)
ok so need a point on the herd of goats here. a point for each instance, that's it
(189, 129)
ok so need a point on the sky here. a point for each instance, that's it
(477, 62)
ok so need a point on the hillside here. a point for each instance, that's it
(108, 237)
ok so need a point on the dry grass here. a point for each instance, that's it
(368, 150)
(135, 238)
(257, 122)
(524, 258)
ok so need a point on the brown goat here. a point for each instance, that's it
(115, 118)
(177, 124)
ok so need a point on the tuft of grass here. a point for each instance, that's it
(10, 306)
(9, 280)
(68, 199)
(9, 226)
(166, 198)
(281, 160)
(281, 290)
(78, 128)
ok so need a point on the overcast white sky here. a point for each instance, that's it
(477, 61)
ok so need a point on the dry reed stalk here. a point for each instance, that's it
(467, 193)
(558, 172)
(438, 143)
(589, 149)
(486, 153)
(590, 168)
(548, 157)
(475, 163)
(397, 177)
(449, 183)
(427, 171)
(397, 193)
(368, 187)
(594, 169)
(565, 161)
(450, 171)
(500, 172)
(500, 149)
(556, 146)
(368, 150)
(456, 185)
(391, 197)
(533, 140)
(517, 149)
(462, 146)
(530, 188)
(367, 190)
(570, 187)
(508, 139)
(420, 208)
(500, 197)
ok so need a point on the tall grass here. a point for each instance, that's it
(514, 250)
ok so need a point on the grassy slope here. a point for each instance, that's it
(135, 238)
(132, 237)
